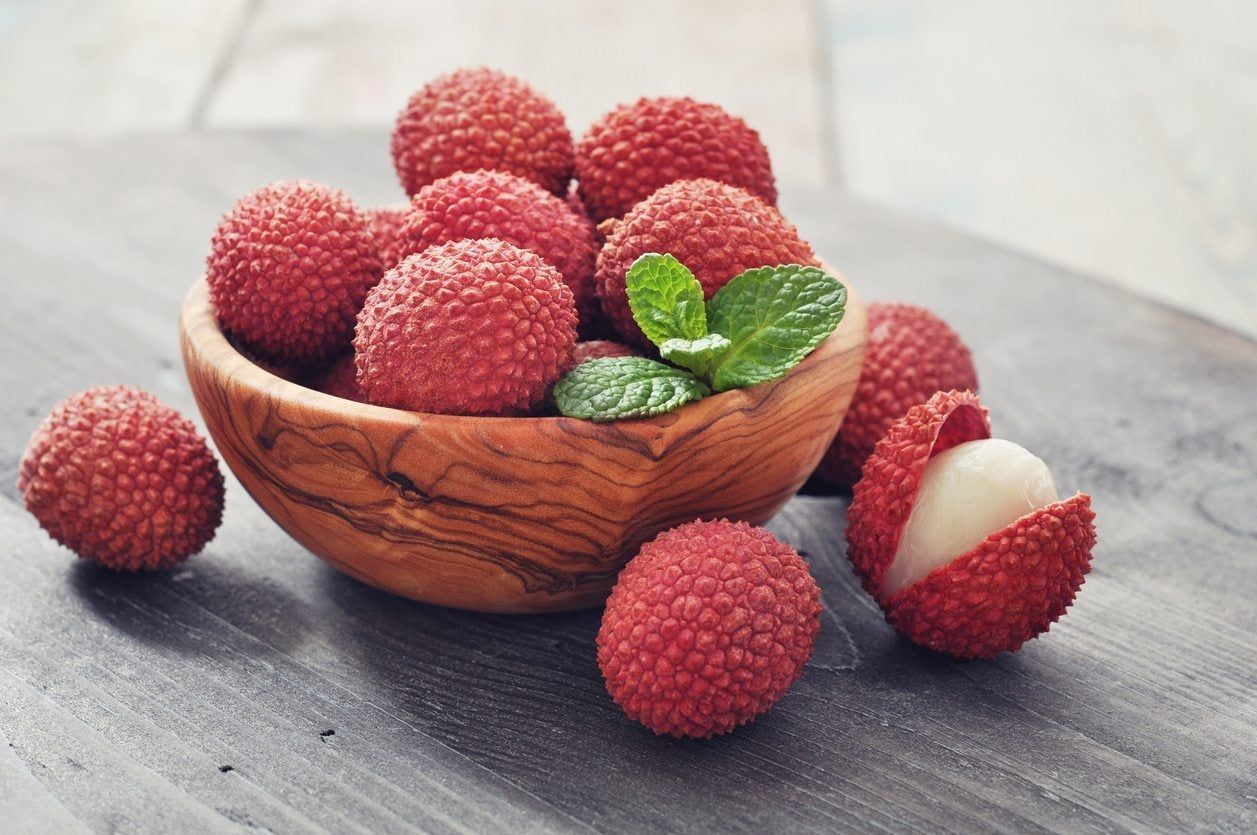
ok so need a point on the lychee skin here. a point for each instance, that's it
(637, 148)
(288, 269)
(122, 480)
(911, 354)
(716, 230)
(594, 349)
(707, 627)
(386, 225)
(340, 379)
(1004, 592)
(470, 327)
(494, 204)
(1009, 589)
(480, 118)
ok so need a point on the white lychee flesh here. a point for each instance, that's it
(967, 493)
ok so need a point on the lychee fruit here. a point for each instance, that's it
(961, 537)
(340, 379)
(635, 149)
(594, 349)
(577, 206)
(716, 230)
(288, 269)
(386, 225)
(911, 354)
(481, 118)
(494, 204)
(120, 479)
(477, 327)
(707, 627)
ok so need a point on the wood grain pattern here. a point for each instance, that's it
(123, 698)
(508, 514)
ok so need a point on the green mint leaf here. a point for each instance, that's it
(774, 316)
(625, 387)
(666, 299)
(698, 355)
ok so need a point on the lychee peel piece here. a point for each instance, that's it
(1004, 592)
(883, 498)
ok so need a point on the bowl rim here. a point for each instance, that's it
(202, 333)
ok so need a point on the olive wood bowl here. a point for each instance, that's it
(528, 514)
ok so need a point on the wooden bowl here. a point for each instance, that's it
(507, 514)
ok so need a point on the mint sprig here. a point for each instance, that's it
(773, 317)
(666, 299)
(613, 388)
(697, 355)
(757, 327)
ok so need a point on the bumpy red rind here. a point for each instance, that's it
(714, 229)
(288, 269)
(340, 379)
(469, 327)
(123, 480)
(495, 204)
(594, 349)
(1010, 588)
(386, 226)
(911, 353)
(1007, 590)
(481, 118)
(884, 496)
(637, 148)
(707, 627)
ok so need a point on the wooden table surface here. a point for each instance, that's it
(255, 688)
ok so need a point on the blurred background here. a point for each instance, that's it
(1116, 138)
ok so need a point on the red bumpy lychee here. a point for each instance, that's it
(469, 327)
(480, 118)
(119, 478)
(714, 229)
(707, 627)
(340, 379)
(637, 148)
(911, 354)
(288, 269)
(595, 349)
(494, 204)
(1012, 582)
(386, 225)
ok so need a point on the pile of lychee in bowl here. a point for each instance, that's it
(559, 360)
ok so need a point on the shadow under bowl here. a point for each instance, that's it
(530, 514)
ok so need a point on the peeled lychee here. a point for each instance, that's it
(469, 327)
(480, 118)
(340, 379)
(707, 627)
(120, 479)
(960, 537)
(910, 355)
(635, 149)
(716, 230)
(386, 225)
(288, 269)
(494, 204)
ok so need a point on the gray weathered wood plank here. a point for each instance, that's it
(122, 698)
